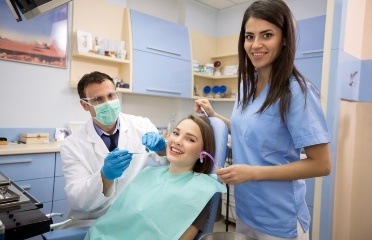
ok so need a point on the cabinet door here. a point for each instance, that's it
(311, 68)
(311, 36)
(159, 36)
(160, 75)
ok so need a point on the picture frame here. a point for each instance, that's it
(84, 41)
(41, 40)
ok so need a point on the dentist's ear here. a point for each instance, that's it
(84, 105)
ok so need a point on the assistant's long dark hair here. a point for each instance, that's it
(279, 14)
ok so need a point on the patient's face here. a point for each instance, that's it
(184, 146)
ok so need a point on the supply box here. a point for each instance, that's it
(34, 138)
(3, 141)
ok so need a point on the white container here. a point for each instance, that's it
(209, 69)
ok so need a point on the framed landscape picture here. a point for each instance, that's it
(41, 40)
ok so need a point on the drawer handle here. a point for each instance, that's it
(312, 51)
(162, 91)
(15, 161)
(164, 51)
(26, 187)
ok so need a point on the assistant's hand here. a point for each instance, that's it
(116, 163)
(206, 105)
(154, 141)
(236, 173)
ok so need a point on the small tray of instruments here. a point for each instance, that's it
(6, 194)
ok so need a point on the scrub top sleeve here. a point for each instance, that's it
(305, 120)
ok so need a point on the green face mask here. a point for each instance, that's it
(108, 112)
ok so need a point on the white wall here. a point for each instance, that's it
(230, 19)
(40, 96)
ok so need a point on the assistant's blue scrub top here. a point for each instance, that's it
(273, 207)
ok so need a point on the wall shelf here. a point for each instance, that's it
(215, 77)
(215, 99)
(100, 57)
(225, 56)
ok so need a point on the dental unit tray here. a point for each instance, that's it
(6, 194)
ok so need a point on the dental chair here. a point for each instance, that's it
(220, 134)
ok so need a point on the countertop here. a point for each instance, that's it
(13, 148)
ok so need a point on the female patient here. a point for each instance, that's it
(167, 202)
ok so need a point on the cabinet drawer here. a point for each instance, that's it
(160, 75)
(41, 189)
(159, 36)
(311, 68)
(28, 166)
(59, 185)
(47, 208)
(60, 206)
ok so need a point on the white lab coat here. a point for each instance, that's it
(83, 155)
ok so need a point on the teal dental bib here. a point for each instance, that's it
(157, 204)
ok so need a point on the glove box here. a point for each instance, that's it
(34, 138)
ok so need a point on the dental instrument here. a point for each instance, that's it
(202, 156)
(205, 113)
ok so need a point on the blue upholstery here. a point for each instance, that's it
(77, 233)
(220, 134)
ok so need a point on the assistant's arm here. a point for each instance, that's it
(317, 163)
(206, 105)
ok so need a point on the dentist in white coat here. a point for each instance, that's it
(105, 154)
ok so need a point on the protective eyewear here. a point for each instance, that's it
(101, 99)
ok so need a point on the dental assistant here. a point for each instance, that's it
(98, 160)
(276, 114)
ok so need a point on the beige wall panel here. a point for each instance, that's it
(203, 46)
(353, 197)
(354, 27)
(97, 17)
(367, 32)
(344, 171)
(228, 45)
(361, 214)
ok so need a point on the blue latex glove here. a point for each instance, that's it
(115, 163)
(154, 141)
